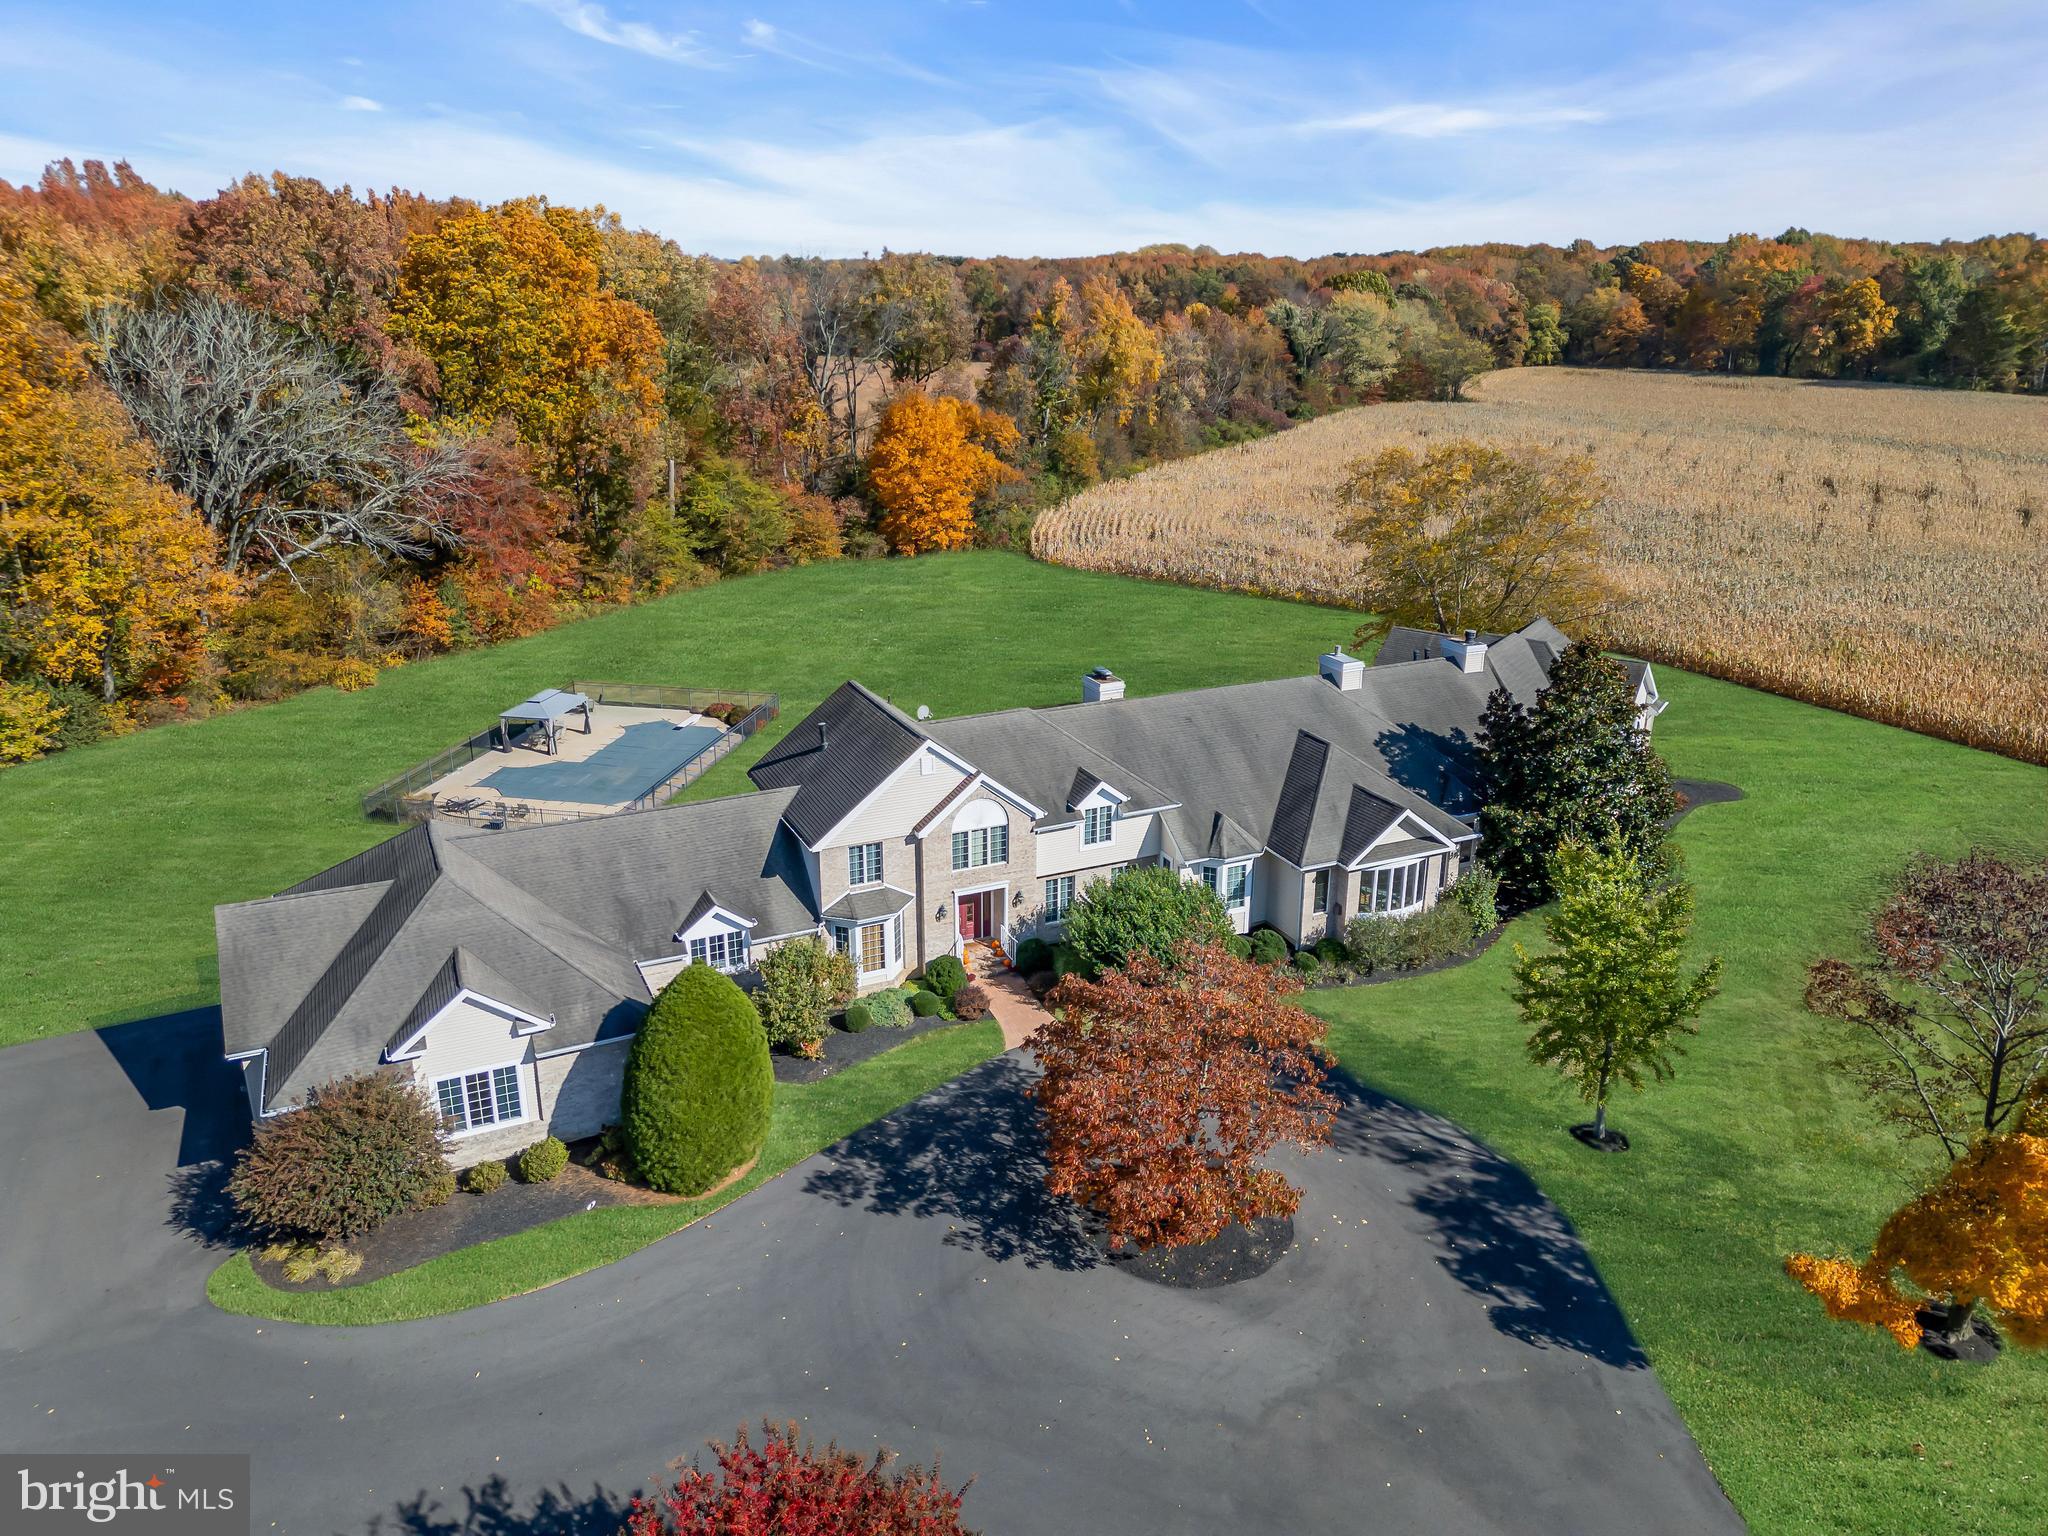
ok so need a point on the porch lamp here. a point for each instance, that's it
(941, 913)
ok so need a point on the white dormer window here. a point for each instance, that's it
(1096, 824)
(722, 951)
(864, 864)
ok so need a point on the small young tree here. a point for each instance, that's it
(802, 981)
(1575, 765)
(362, 1150)
(1609, 1000)
(787, 1486)
(1980, 1234)
(1144, 909)
(1165, 1088)
(1956, 1002)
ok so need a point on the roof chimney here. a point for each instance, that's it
(1469, 654)
(1100, 686)
(1347, 673)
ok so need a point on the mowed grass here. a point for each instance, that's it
(1757, 1150)
(113, 857)
(808, 1116)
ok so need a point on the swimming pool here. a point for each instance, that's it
(618, 773)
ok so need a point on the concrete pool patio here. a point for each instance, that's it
(630, 751)
(1438, 1353)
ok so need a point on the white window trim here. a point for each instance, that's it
(522, 1022)
(1319, 909)
(860, 848)
(1244, 897)
(525, 1116)
(1411, 867)
(1089, 815)
(733, 940)
(963, 842)
(1051, 913)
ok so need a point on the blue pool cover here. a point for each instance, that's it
(618, 772)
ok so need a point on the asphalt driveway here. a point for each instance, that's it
(1438, 1355)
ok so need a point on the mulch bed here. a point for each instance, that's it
(469, 1219)
(1241, 1253)
(1609, 1140)
(1980, 1346)
(843, 1050)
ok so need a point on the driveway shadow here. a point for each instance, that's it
(491, 1510)
(1500, 1237)
(175, 1062)
(971, 1155)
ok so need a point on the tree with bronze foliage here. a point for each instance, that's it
(1953, 1009)
(1470, 536)
(933, 455)
(1166, 1087)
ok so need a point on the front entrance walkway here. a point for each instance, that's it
(1010, 1002)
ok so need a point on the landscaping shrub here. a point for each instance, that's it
(1305, 961)
(945, 976)
(300, 1262)
(927, 1005)
(1437, 934)
(890, 1009)
(971, 1002)
(789, 1484)
(1376, 943)
(543, 1160)
(1043, 982)
(699, 1086)
(440, 1189)
(1066, 960)
(1033, 955)
(1239, 946)
(802, 981)
(1330, 949)
(1477, 893)
(360, 1151)
(1144, 908)
(858, 1018)
(1269, 946)
(482, 1178)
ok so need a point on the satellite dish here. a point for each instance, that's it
(924, 711)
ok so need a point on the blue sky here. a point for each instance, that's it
(1051, 128)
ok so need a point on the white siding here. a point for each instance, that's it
(1062, 852)
(467, 1037)
(903, 802)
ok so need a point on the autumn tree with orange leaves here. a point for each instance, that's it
(1165, 1089)
(932, 456)
(1979, 1235)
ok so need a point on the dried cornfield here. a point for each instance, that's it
(1879, 550)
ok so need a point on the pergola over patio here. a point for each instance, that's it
(547, 709)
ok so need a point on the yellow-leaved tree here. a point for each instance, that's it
(1120, 359)
(1469, 536)
(109, 576)
(509, 306)
(932, 456)
(1978, 1236)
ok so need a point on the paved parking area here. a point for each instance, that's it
(1438, 1355)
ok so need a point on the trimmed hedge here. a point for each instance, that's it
(1269, 946)
(482, 1178)
(1305, 961)
(543, 1160)
(857, 1018)
(699, 1085)
(890, 1009)
(927, 1005)
(1033, 955)
(945, 976)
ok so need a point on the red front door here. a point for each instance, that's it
(974, 915)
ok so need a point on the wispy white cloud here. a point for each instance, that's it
(360, 104)
(1436, 120)
(596, 23)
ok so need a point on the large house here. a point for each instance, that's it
(508, 970)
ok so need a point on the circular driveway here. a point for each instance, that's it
(1438, 1355)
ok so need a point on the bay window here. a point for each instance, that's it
(1397, 888)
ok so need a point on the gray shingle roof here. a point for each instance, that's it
(1365, 818)
(869, 904)
(1027, 753)
(1300, 788)
(836, 756)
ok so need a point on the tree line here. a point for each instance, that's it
(288, 435)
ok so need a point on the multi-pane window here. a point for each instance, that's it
(873, 947)
(982, 845)
(1095, 823)
(1209, 876)
(1237, 885)
(478, 1099)
(1394, 889)
(1059, 897)
(864, 864)
(1320, 899)
(896, 934)
(842, 938)
(722, 951)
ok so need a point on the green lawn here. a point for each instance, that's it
(808, 1116)
(1756, 1150)
(1753, 1152)
(120, 851)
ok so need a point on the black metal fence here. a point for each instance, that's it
(743, 711)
